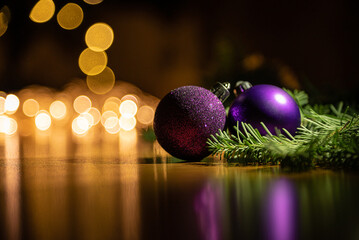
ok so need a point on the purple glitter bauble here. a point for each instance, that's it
(268, 104)
(184, 120)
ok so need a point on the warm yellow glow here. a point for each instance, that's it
(70, 16)
(96, 115)
(127, 124)
(4, 19)
(128, 108)
(101, 83)
(43, 120)
(42, 11)
(111, 122)
(91, 62)
(99, 37)
(7, 125)
(106, 115)
(2, 105)
(145, 115)
(129, 97)
(93, 2)
(12, 103)
(82, 104)
(112, 104)
(58, 109)
(253, 62)
(80, 125)
(112, 125)
(88, 117)
(30, 107)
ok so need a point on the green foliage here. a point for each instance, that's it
(328, 137)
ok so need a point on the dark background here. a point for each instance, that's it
(161, 45)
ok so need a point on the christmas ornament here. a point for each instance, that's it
(263, 103)
(187, 116)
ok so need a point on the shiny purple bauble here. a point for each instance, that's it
(268, 104)
(185, 118)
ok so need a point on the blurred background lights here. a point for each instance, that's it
(96, 115)
(82, 104)
(101, 83)
(88, 117)
(80, 125)
(129, 97)
(112, 125)
(58, 109)
(91, 62)
(106, 115)
(4, 19)
(70, 16)
(2, 105)
(112, 104)
(43, 120)
(145, 115)
(127, 124)
(111, 122)
(30, 107)
(8, 125)
(99, 37)
(93, 2)
(128, 108)
(42, 11)
(12, 103)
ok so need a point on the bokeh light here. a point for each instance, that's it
(88, 117)
(58, 109)
(93, 2)
(106, 115)
(127, 124)
(4, 19)
(70, 16)
(112, 125)
(101, 83)
(96, 115)
(112, 104)
(129, 97)
(42, 11)
(111, 122)
(145, 115)
(91, 62)
(30, 107)
(8, 125)
(80, 125)
(82, 104)
(12, 103)
(43, 120)
(128, 108)
(2, 105)
(99, 37)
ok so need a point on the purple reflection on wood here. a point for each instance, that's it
(208, 206)
(281, 211)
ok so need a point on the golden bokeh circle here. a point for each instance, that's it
(101, 83)
(93, 2)
(30, 107)
(42, 11)
(70, 16)
(99, 37)
(91, 62)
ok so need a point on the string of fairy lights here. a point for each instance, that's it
(101, 102)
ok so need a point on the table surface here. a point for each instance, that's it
(126, 188)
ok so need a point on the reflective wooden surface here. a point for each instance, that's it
(125, 188)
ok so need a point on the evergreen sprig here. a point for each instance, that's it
(327, 137)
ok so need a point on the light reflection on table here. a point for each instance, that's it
(59, 186)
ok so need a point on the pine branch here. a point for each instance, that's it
(328, 139)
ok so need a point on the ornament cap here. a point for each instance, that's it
(221, 90)
(241, 86)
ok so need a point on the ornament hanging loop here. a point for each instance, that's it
(221, 90)
(241, 86)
